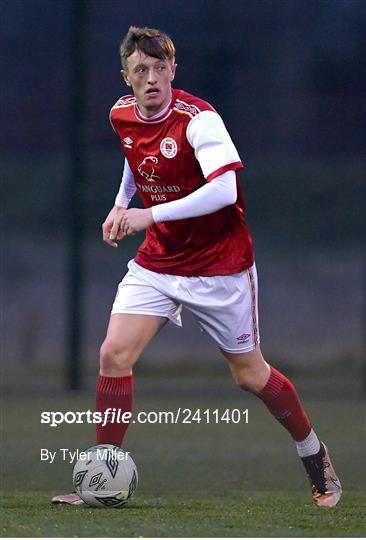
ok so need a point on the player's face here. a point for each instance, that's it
(150, 79)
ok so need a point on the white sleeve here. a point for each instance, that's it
(212, 144)
(127, 188)
(207, 199)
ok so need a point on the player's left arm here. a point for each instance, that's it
(207, 199)
(218, 159)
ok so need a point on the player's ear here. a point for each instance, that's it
(125, 77)
(174, 67)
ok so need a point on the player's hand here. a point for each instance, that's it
(135, 220)
(111, 227)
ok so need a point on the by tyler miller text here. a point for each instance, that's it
(72, 456)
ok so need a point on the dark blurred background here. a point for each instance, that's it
(288, 78)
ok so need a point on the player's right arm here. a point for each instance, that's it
(111, 227)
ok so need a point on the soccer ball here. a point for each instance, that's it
(105, 475)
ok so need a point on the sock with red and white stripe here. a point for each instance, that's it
(115, 394)
(282, 400)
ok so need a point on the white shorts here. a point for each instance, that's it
(226, 307)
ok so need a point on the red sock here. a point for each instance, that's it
(113, 393)
(281, 398)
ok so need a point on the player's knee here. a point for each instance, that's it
(114, 359)
(248, 383)
(244, 378)
(251, 377)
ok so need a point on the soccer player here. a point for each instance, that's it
(197, 253)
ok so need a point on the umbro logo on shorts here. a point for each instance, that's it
(244, 338)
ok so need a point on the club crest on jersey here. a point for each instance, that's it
(147, 169)
(168, 147)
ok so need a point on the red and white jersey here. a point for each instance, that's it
(171, 156)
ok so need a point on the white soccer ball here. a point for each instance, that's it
(105, 475)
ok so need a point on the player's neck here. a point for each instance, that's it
(155, 115)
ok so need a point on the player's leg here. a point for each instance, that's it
(141, 308)
(252, 373)
(249, 369)
(226, 307)
(127, 336)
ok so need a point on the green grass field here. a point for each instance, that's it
(270, 513)
(199, 480)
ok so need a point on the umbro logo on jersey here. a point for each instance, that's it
(244, 338)
(128, 142)
(168, 147)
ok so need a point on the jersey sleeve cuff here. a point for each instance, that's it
(235, 166)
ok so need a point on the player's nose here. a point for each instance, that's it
(151, 78)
